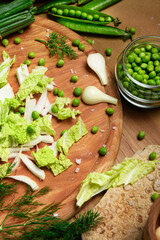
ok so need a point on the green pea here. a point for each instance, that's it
(72, 12)
(41, 62)
(84, 15)
(132, 30)
(65, 12)
(148, 47)
(151, 82)
(74, 78)
(119, 67)
(130, 71)
(142, 49)
(141, 135)
(142, 54)
(137, 69)
(155, 56)
(126, 85)
(81, 47)
(54, 109)
(30, 129)
(152, 74)
(156, 63)
(63, 131)
(150, 68)
(150, 63)
(55, 91)
(134, 64)
(54, 10)
(77, 91)
(76, 42)
(5, 42)
(144, 65)
(110, 111)
(130, 58)
(90, 17)
(138, 60)
(75, 102)
(146, 76)
(108, 19)
(154, 196)
(21, 110)
(108, 51)
(17, 40)
(94, 130)
(158, 82)
(60, 93)
(31, 55)
(90, 41)
(27, 61)
(95, 16)
(154, 50)
(144, 81)
(18, 113)
(155, 96)
(101, 19)
(60, 12)
(78, 13)
(137, 51)
(135, 92)
(35, 115)
(102, 151)
(60, 63)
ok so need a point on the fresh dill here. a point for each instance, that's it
(58, 46)
(39, 223)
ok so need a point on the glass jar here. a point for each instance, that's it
(137, 72)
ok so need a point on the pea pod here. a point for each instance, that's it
(44, 8)
(99, 4)
(83, 1)
(87, 16)
(93, 28)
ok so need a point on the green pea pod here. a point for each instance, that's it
(44, 8)
(83, 1)
(87, 16)
(99, 4)
(93, 28)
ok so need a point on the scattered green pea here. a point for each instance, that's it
(110, 111)
(63, 131)
(55, 91)
(54, 109)
(132, 30)
(77, 91)
(108, 51)
(90, 41)
(74, 78)
(102, 151)
(20, 31)
(18, 113)
(81, 47)
(35, 115)
(60, 63)
(94, 130)
(141, 135)
(17, 40)
(5, 42)
(31, 55)
(75, 102)
(60, 93)
(76, 42)
(41, 62)
(30, 129)
(21, 110)
(154, 196)
(152, 156)
(27, 61)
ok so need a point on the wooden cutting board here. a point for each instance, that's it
(66, 185)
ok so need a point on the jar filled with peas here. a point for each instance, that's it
(138, 72)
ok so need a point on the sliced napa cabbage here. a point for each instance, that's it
(21, 73)
(44, 157)
(4, 170)
(127, 172)
(60, 165)
(61, 102)
(42, 84)
(70, 136)
(30, 82)
(4, 153)
(5, 68)
(67, 113)
(29, 108)
(26, 180)
(6, 92)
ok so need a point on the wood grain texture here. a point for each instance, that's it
(65, 186)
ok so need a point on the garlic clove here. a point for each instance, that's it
(92, 95)
(97, 63)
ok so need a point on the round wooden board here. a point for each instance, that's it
(66, 185)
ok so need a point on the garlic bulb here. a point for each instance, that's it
(92, 95)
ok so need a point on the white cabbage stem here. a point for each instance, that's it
(26, 180)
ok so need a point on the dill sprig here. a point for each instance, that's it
(40, 224)
(58, 47)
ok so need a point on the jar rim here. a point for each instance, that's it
(132, 43)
